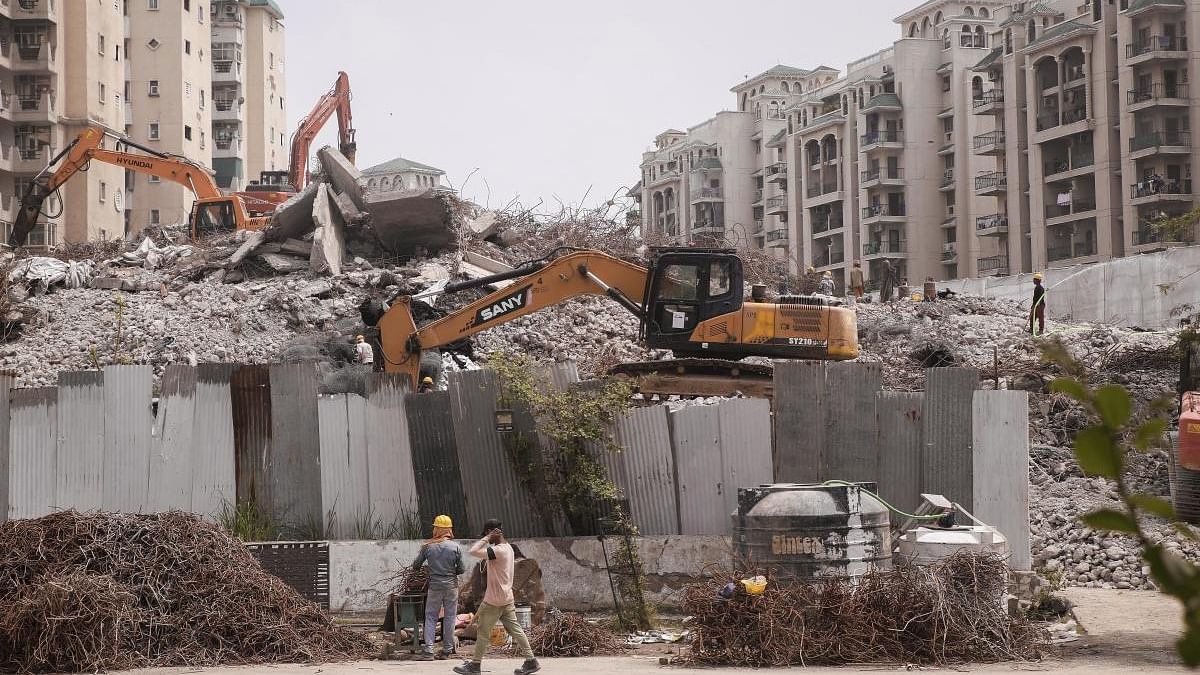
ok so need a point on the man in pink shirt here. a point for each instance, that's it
(497, 602)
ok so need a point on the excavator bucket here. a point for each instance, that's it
(27, 213)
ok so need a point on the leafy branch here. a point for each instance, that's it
(1101, 450)
(1180, 228)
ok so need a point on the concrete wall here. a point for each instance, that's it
(1149, 291)
(573, 570)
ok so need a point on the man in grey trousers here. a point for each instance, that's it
(445, 560)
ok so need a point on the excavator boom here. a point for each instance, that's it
(336, 100)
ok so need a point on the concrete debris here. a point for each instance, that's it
(409, 221)
(284, 264)
(293, 247)
(293, 218)
(329, 245)
(40, 273)
(150, 256)
(351, 214)
(485, 225)
(343, 174)
(251, 243)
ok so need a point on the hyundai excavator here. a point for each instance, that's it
(211, 212)
(276, 187)
(688, 300)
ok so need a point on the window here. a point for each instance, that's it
(202, 99)
(201, 139)
(153, 133)
(718, 280)
(187, 132)
(281, 103)
(153, 89)
(155, 218)
(153, 43)
(187, 46)
(153, 179)
(200, 13)
(187, 5)
(103, 92)
(101, 44)
(103, 192)
(151, 4)
(945, 84)
(271, 59)
(680, 282)
(116, 52)
(187, 89)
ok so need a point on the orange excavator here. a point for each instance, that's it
(211, 212)
(276, 187)
(688, 300)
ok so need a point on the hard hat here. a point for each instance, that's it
(427, 380)
(811, 268)
(359, 338)
(443, 521)
(1037, 277)
(828, 274)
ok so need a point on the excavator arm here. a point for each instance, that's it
(86, 148)
(336, 100)
(547, 284)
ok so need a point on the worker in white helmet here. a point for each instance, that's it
(363, 351)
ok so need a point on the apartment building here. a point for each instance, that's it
(990, 138)
(401, 174)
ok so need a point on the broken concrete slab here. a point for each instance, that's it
(315, 289)
(492, 265)
(293, 218)
(343, 175)
(351, 214)
(248, 246)
(433, 272)
(283, 264)
(409, 219)
(107, 283)
(485, 225)
(329, 245)
(297, 247)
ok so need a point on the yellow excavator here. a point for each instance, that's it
(688, 300)
(211, 212)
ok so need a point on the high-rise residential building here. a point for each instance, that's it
(990, 138)
(250, 111)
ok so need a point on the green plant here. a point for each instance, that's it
(1181, 228)
(1101, 450)
(248, 522)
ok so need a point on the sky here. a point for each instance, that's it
(552, 100)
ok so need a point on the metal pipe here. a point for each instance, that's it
(613, 293)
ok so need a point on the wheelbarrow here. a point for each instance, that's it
(409, 612)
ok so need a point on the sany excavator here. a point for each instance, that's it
(272, 189)
(689, 300)
(211, 212)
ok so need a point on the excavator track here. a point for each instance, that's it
(697, 377)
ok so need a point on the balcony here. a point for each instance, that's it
(1156, 47)
(226, 71)
(756, 228)
(1072, 210)
(35, 108)
(990, 143)
(885, 176)
(1074, 114)
(950, 253)
(1155, 238)
(995, 224)
(757, 197)
(35, 9)
(881, 139)
(1157, 93)
(885, 249)
(1078, 160)
(34, 57)
(815, 191)
(947, 180)
(989, 103)
(707, 194)
(232, 111)
(777, 173)
(826, 226)
(882, 212)
(829, 258)
(777, 205)
(777, 238)
(1160, 141)
(993, 183)
(30, 160)
(1082, 249)
(708, 229)
(993, 265)
(1159, 190)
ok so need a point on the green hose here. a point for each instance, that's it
(881, 500)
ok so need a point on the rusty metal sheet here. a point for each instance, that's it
(850, 451)
(250, 391)
(644, 470)
(33, 440)
(489, 482)
(946, 420)
(344, 498)
(294, 455)
(799, 421)
(6, 384)
(898, 443)
(390, 482)
(696, 435)
(214, 482)
(171, 459)
(80, 479)
(435, 460)
(128, 437)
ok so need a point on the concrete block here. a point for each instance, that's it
(293, 218)
(343, 175)
(486, 225)
(350, 212)
(486, 263)
(291, 247)
(283, 264)
(408, 219)
(329, 246)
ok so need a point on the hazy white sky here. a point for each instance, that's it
(549, 98)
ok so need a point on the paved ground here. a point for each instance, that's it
(1127, 631)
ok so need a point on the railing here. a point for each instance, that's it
(1078, 250)
(777, 167)
(972, 41)
(775, 203)
(947, 178)
(990, 138)
(1075, 74)
(877, 247)
(950, 250)
(29, 103)
(818, 190)
(707, 227)
(1072, 115)
(1155, 139)
(223, 105)
(993, 263)
(885, 136)
(1144, 236)
(1047, 120)
(1151, 187)
(1073, 207)
(774, 115)
(989, 222)
(1078, 161)
(1156, 91)
(882, 174)
(777, 235)
(989, 181)
(988, 98)
(882, 210)
(758, 226)
(30, 154)
(827, 224)
(707, 193)
(758, 196)
(1156, 43)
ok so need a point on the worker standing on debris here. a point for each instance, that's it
(363, 351)
(858, 284)
(810, 283)
(1037, 311)
(827, 285)
(498, 603)
(426, 385)
(887, 288)
(445, 560)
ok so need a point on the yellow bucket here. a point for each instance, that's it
(755, 585)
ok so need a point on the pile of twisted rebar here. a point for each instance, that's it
(948, 612)
(107, 591)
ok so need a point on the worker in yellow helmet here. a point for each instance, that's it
(445, 560)
(1037, 311)
(426, 385)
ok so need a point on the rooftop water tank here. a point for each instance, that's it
(810, 531)
(925, 545)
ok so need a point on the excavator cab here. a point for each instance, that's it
(213, 216)
(685, 287)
